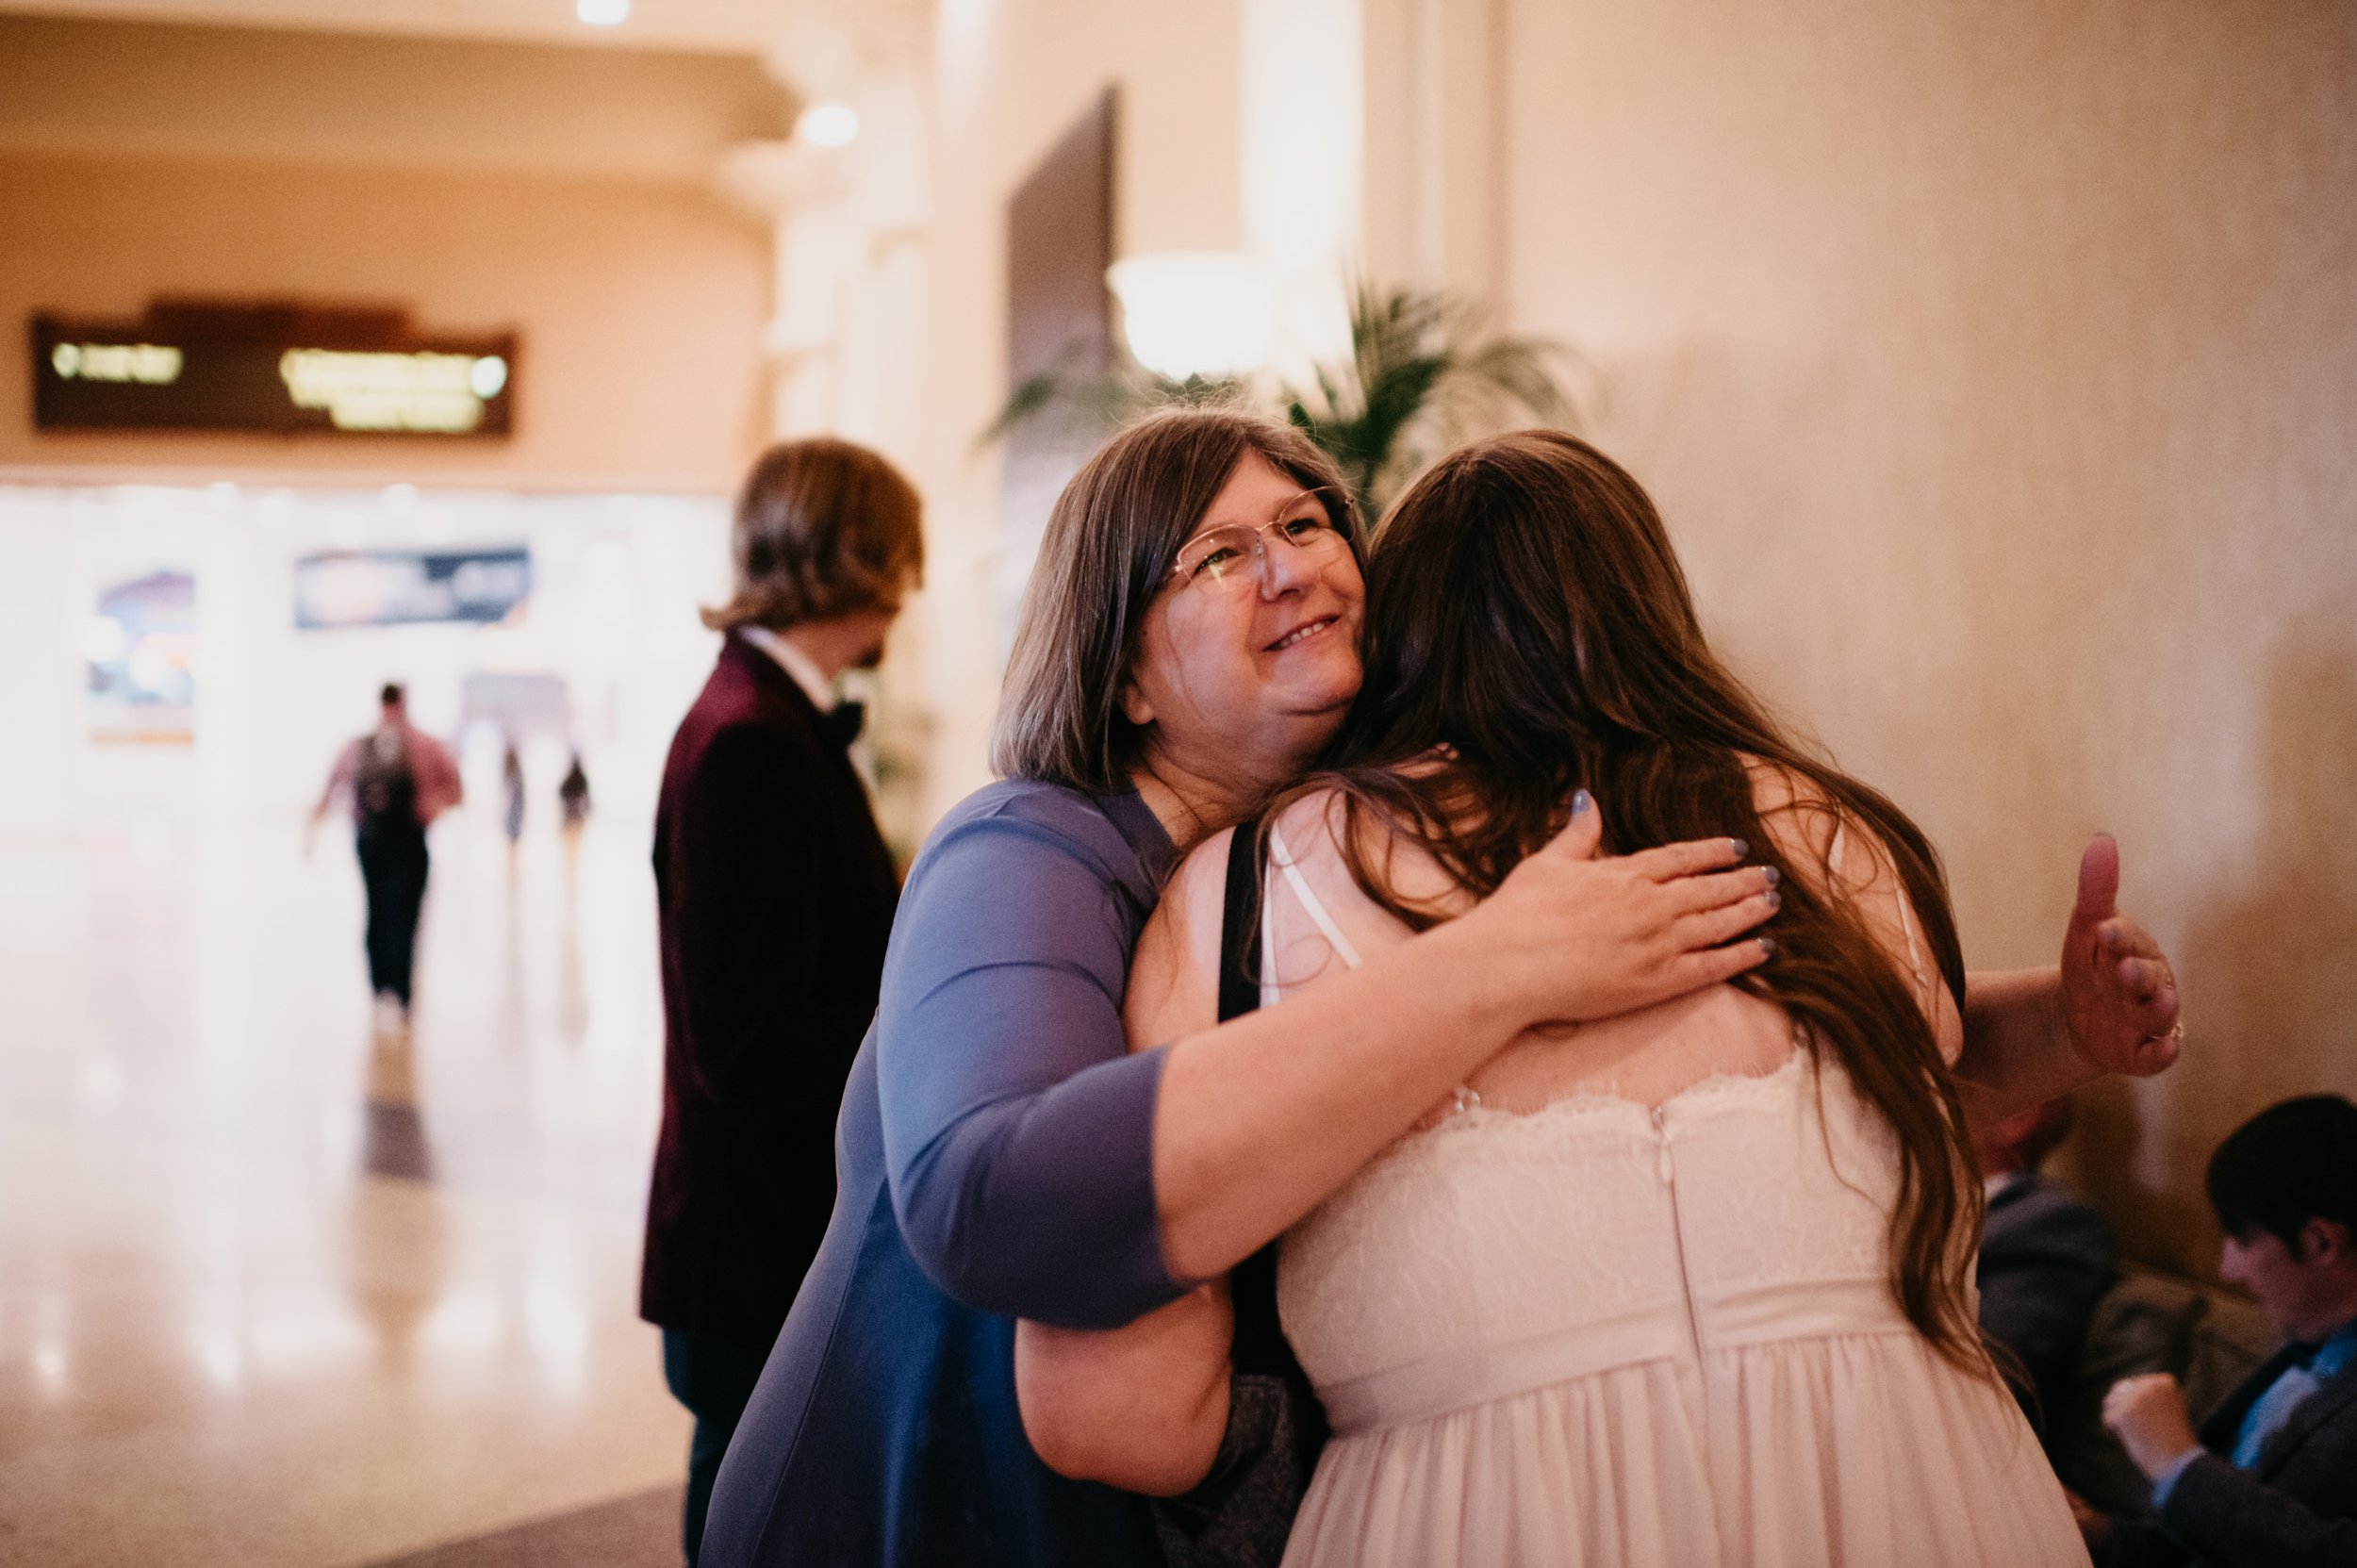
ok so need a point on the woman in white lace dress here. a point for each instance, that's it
(1691, 1286)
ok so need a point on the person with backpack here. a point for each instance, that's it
(399, 780)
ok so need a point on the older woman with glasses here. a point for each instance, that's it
(1189, 643)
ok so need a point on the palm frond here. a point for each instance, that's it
(1424, 375)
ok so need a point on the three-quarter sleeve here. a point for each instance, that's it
(1018, 1131)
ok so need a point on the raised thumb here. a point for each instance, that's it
(2099, 880)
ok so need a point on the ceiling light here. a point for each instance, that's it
(601, 13)
(825, 124)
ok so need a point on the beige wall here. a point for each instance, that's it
(1997, 370)
(122, 87)
(1010, 78)
(566, 192)
(639, 304)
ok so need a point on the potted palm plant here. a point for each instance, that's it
(1424, 375)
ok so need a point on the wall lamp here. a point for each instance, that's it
(1207, 313)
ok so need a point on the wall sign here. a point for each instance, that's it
(389, 587)
(280, 369)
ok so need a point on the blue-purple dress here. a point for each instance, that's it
(994, 1160)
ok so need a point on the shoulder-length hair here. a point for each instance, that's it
(823, 528)
(1108, 551)
(1525, 611)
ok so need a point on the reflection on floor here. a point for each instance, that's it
(271, 1291)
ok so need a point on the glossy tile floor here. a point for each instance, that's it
(271, 1291)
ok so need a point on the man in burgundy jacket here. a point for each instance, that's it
(776, 895)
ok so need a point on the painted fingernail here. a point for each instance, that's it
(1740, 848)
(1767, 946)
(1582, 803)
(1773, 875)
(1775, 899)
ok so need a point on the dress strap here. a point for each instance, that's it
(1281, 862)
(1898, 896)
(1906, 924)
(1464, 1097)
(1283, 859)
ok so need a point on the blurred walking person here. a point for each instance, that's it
(512, 814)
(776, 896)
(572, 805)
(399, 780)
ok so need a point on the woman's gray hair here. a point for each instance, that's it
(1108, 551)
(823, 528)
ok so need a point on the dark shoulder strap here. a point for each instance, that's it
(1261, 1346)
(1240, 925)
(1240, 1513)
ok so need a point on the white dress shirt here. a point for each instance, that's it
(795, 663)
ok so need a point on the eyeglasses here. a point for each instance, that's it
(1225, 559)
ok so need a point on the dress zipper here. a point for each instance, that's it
(1668, 1168)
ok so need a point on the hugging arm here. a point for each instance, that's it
(1039, 1172)
(1263, 1117)
(1142, 1408)
(1018, 1132)
(2018, 1031)
(1287, 1104)
(2027, 1034)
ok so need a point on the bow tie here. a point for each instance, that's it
(844, 720)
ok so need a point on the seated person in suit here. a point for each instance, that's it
(2270, 1479)
(2046, 1256)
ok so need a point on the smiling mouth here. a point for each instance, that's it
(1302, 634)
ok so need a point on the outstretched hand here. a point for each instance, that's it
(2119, 998)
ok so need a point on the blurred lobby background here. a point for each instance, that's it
(1995, 366)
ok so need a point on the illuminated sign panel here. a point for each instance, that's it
(276, 368)
(444, 393)
(387, 587)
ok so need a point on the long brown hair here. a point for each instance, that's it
(1525, 611)
(1110, 540)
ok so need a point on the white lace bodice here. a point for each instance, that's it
(1499, 1251)
(1604, 1335)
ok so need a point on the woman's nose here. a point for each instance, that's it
(1284, 568)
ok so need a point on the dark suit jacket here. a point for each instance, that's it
(2297, 1509)
(2046, 1260)
(776, 896)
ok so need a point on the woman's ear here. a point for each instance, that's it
(1134, 707)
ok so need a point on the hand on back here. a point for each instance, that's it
(1574, 936)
